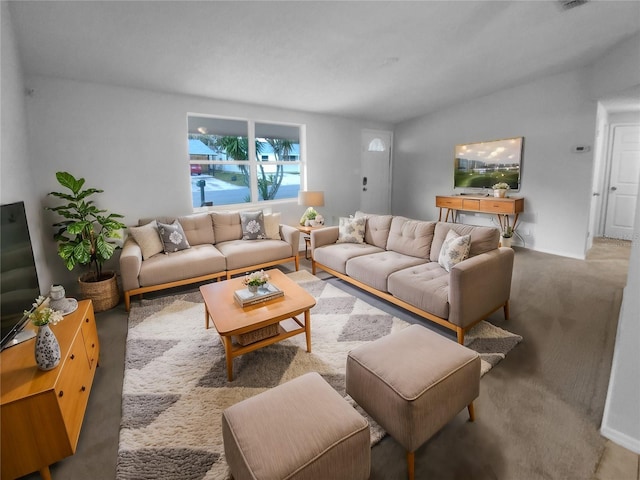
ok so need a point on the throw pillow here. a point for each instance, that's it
(455, 249)
(147, 237)
(351, 230)
(252, 225)
(173, 237)
(272, 225)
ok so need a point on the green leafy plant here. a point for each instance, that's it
(507, 232)
(86, 236)
(256, 279)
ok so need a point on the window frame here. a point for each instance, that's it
(252, 162)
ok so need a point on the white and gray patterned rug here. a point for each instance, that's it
(175, 386)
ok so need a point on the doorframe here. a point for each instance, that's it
(390, 146)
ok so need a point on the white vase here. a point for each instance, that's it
(47, 349)
(506, 241)
(500, 193)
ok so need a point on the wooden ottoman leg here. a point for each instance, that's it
(411, 460)
(472, 414)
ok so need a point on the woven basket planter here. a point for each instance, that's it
(103, 294)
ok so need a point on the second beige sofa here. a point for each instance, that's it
(398, 261)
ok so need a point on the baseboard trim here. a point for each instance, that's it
(622, 439)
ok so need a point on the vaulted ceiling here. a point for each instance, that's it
(382, 60)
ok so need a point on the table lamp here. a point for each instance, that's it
(311, 199)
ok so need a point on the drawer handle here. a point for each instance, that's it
(83, 388)
(86, 320)
(73, 355)
(93, 345)
(61, 394)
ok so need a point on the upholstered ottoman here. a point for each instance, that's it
(412, 383)
(302, 429)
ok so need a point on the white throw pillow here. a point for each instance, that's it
(351, 230)
(454, 250)
(272, 225)
(148, 238)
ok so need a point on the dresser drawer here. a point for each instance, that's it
(470, 204)
(72, 390)
(90, 336)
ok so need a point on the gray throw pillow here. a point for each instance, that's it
(253, 225)
(173, 237)
(351, 230)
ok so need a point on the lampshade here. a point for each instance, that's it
(311, 199)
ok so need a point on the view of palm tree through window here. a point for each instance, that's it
(228, 166)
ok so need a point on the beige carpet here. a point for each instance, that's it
(175, 385)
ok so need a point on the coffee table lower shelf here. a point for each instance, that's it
(286, 328)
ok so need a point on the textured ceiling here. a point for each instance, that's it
(384, 60)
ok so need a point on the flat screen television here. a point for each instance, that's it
(481, 165)
(18, 278)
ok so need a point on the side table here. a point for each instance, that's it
(307, 237)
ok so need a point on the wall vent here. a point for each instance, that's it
(569, 4)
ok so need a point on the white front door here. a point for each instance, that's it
(623, 182)
(375, 168)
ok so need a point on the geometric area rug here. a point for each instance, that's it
(175, 386)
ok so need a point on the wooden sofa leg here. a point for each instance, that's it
(297, 263)
(127, 301)
(411, 461)
(472, 414)
(506, 310)
(460, 335)
(313, 267)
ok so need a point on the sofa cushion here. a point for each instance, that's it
(272, 225)
(198, 228)
(374, 269)
(252, 225)
(454, 250)
(424, 286)
(411, 237)
(483, 239)
(244, 253)
(226, 226)
(148, 238)
(376, 228)
(351, 230)
(336, 255)
(173, 237)
(194, 262)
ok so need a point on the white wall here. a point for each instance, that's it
(133, 144)
(16, 176)
(553, 114)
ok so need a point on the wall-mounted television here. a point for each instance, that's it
(19, 278)
(483, 164)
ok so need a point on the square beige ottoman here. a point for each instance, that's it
(412, 383)
(302, 429)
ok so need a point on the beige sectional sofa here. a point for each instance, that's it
(215, 249)
(398, 260)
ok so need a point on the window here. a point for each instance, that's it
(239, 161)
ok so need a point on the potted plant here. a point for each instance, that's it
(309, 215)
(500, 189)
(86, 237)
(506, 235)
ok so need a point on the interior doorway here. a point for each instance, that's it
(375, 168)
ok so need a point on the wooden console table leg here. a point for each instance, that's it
(411, 462)
(206, 317)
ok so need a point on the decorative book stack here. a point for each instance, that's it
(268, 291)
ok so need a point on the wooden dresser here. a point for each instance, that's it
(42, 412)
(502, 207)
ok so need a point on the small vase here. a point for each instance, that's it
(252, 288)
(500, 193)
(47, 349)
(505, 241)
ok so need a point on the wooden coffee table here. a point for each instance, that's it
(232, 320)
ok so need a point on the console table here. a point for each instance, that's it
(501, 207)
(42, 412)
